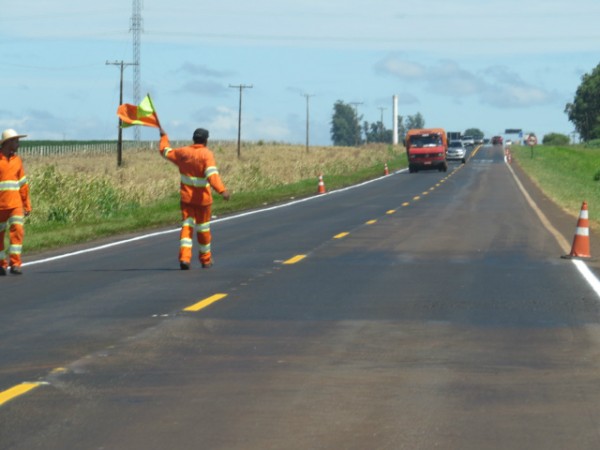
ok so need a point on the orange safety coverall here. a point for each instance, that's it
(14, 202)
(198, 171)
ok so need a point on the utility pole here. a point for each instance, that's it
(120, 136)
(357, 136)
(240, 87)
(307, 96)
(382, 109)
(395, 120)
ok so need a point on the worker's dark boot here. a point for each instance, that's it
(2, 271)
(16, 270)
(184, 265)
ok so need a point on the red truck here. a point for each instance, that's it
(426, 149)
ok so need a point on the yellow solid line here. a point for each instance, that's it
(295, 259)
(391, 211)
(341, 235)
(15, 391)
(371, 222)
(206, 302)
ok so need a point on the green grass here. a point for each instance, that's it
(568, 175)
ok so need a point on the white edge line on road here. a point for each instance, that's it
(588, 275)
(224, 219)
(562, 242)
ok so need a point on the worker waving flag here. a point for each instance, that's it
(144, 114)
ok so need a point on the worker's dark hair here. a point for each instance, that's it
(200, 136)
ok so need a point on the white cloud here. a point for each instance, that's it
(497, 86)
(403, 69)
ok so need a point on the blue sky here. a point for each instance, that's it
(487, 64)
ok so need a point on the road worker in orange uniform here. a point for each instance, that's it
(198, 171)
(14, 201)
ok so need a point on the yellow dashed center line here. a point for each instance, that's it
(416, 198)
(391, 211)
(295, 259)
(371, 222)
(206, 302)
(341, 235)
(405, 204)
(16, 391)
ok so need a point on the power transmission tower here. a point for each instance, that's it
(240, 87)
(136, 30)
(308, 96)
(120, 136)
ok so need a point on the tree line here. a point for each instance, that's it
(347, 129)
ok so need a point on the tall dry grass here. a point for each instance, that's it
(78, 187)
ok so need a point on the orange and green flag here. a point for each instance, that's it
(143, 114)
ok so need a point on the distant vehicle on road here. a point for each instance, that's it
(454, 135)
(457, 151)
(497, 140)
(426, 149)
(468, 140)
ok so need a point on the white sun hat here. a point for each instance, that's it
(10, 134)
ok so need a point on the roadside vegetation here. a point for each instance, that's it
(569, 175)
(82, 197)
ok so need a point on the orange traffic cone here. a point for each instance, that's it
(386, 171)
(581, 241)
(321, 185)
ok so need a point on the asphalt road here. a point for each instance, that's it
(420, 311)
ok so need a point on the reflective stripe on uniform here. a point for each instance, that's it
(185, 242)
(203, 227)
(204, 248)
(2, 227)
(16, 220)
(189, 222)
(193, 181)
(22, 181)
(10, 185)
(210, 171)
(15, 249)
(2, 255)
(166, 151)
